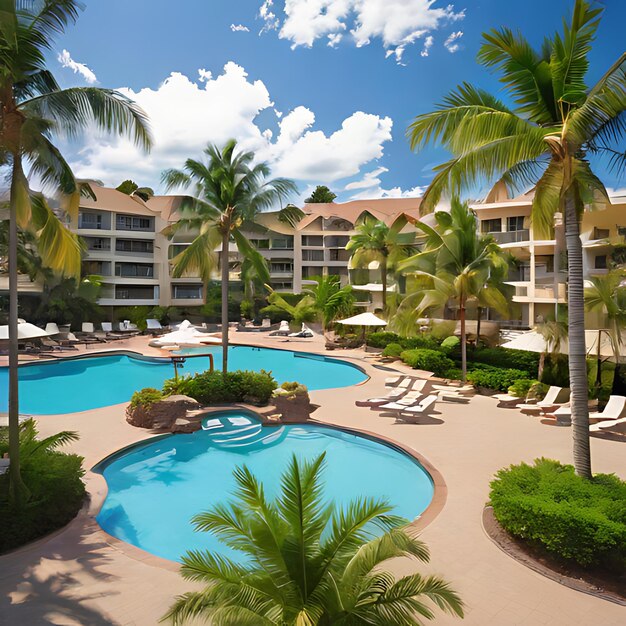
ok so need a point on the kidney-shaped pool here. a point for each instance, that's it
(155, 488)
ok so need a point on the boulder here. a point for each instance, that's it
(294, 408)
(161, 415)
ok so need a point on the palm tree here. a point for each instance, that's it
(326, 300)
(131, 188)
(228, 191)
(307, 561)
(546, 139)
(375, 241)
(33, 109)
(456, 264)
(607, 295)
(554, 332)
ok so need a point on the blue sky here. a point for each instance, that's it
(325, 92)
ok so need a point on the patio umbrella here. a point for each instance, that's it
(364, 320)
(24, 331)
(534, 342)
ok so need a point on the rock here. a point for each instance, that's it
(161, 415)
(183, 425)
(294, 408)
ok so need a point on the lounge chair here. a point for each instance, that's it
(615, 409)
(283, 330)
(554, 398)
(52, 328)
(154, 327)
(464, 390)
(393, 381)
(607, 425)
(266, 323)
(51, 344)
(449, 395)
(392, 395)
(413, 413)
(87, 328)
(411, 398)
(107, 327)
(304, 332)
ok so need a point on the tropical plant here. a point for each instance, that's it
(456, 263)
(227, 190)
(554, 333)
(307, 562)
(326, 300)
(321, 194)
(375, 241)
(546, 140)
(290, 215)
(34, 109)
(30, 446)
(131, 188)
(607, 295)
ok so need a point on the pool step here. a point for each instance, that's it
(238, 432)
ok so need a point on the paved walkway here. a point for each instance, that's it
(82, 577)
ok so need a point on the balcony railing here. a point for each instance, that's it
(511, 236)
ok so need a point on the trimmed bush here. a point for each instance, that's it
(521, 387)
(423, 341)
(451, 345)
(381, 339)
(454, 374)
(429, 360)
(495, 378)
(214, 388)
(145, 397)
(573, 518)
(393, 350)
(507, 358)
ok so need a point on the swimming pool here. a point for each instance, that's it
(155, 488)
(80, 384)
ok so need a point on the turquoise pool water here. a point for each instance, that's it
(67, 386)
(155, 488)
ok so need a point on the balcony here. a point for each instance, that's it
(542, 293)
(94, 220)
(134, 223)
(512, 236)
(134, 270)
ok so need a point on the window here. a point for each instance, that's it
(312, 240)
(312, 255)
(187, 292)
(98, 243)
(134, 270)
(131, 222)
(281, 268)
(261, 244)
(176, 249)
(282, 243)
(90, 220)
(491, 226)
(600, 233)
(310, 272)
(98, 268)
(134, 245)
(135, 292)
(600, 262)
(515, 223)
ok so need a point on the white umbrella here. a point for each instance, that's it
(24, 331)
(363, 319)
(534, 342)
(187, 334)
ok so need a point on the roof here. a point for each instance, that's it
(384, 209)
(166, 206)
(114, 200)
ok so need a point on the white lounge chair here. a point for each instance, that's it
(107, 327)
(555, 397)
(607, 425)
(283, 330)
(413, 413)
(392, 394)
(266, 323)
(87, 327)
(304, 332)
(392, 381)
(614, 409)
(412, 397)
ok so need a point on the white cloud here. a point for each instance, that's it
(397, 23)
(370, 187)
(428, 44)
(450, 44)
(239, 28)
(334, 39)
(65, 59)
(215, 109)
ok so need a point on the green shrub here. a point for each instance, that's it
(573, 518)
(177, 386)
(429, 360)
(274, 313)
(454, 373)
(537, 391)
(496, 378)
(521, 387)
(214, 388)
(393, 349)
(54, 482)
(556, 370)
(505, 357)
(291, 389)
(451, 345)
(422, 341)
(604, 388)
(145, 397)
(381, 339)
(247, 309)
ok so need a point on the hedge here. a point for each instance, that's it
(507, 358)
(381, 339)
(56, 495)
(393, 350)
(571, 517)
(496, 378)
(429, 360)
(384, 338)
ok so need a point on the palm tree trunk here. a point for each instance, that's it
(383, 271)
(463, 338)
(542, 365)
(17, 490)
(224, 262)
(479, 312)
(577, 350)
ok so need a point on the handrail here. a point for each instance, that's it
(178, 360)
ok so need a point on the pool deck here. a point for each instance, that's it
(82, 576)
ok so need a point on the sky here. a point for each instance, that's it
(323, 90)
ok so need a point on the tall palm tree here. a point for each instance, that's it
(307, 562)
(228, 190)
(457, 264)
(375, 241)
(34, 109)
(546, 139)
